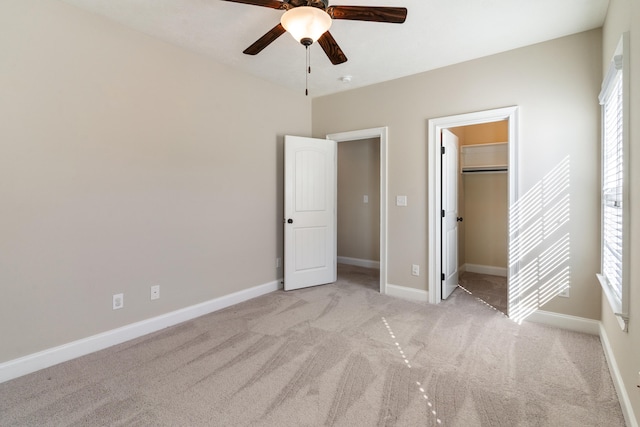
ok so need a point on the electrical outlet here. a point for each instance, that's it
(155, 292)
(118, 301)
(415, 270)
(564, 293)
(365, 199)
(401, 200)
(278, 261)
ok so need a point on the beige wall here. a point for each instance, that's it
(126, 162)
(359, 222)
(482, 238)
(555, 84)
(624, 15)
(485, 218)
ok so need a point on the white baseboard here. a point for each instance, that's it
(407, 293)
(52, 356)
(623, 396)
(367, 263)
(485, 269)
(564, 321)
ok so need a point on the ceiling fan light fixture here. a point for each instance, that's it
(306, 23)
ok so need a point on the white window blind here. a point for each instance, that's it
(614, 99)
(612, 185)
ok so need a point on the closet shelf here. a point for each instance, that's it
(484, 158)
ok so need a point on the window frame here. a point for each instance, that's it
(618, 65)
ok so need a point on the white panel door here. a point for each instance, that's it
(310, 181)
(450, 213)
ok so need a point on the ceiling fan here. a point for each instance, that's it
(309, 21)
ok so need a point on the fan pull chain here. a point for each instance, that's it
(308, 71)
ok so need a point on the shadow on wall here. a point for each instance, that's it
(540, 249)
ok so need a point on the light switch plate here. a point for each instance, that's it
(415, 270)
(365, 199)
(401, 200)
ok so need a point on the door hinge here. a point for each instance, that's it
(442, 276)
(442, 213)
(442, 150)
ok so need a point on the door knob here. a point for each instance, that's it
(459, 219)
(290, 221)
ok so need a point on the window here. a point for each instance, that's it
(614, 99)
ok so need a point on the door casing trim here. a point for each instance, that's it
(434, 174)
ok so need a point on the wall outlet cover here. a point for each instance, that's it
(118, 301)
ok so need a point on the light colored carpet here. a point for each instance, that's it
(490, 289)
(339, 354)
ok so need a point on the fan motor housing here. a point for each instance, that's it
(321, 4)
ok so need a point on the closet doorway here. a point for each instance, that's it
(483, 210)
(435, 206)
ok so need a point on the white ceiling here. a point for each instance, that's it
(436, 33)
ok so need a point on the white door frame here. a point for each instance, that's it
(382, 134)
(434, 168)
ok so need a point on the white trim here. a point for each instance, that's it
(616, 376)
(52, 356)
(484, 269)
(383, 134)
(619, 63)
(435, 178)
(367, 263)
(616, 65)
(614, 303)
(407, 293)
(565, 321)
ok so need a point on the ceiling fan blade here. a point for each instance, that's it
(393, 15)
(265, 40)
(331, 48)
(273, 4)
